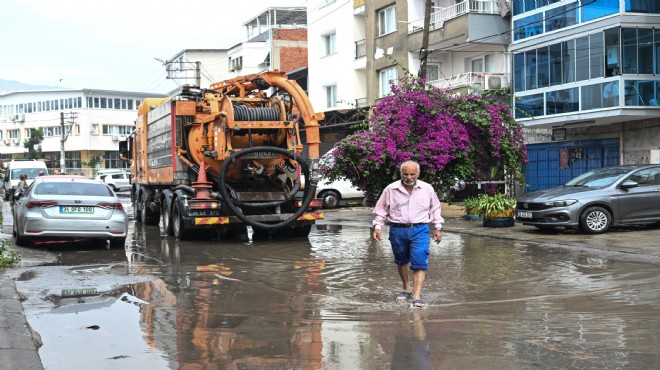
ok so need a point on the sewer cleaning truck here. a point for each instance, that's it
(211, 161)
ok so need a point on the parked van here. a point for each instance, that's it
(16, 167)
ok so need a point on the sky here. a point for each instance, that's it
(112, 44)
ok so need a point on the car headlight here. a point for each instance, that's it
(560, 203)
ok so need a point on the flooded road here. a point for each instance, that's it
(328, 302)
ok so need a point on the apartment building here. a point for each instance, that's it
(588, 73)
(337, 65)
(467, 47)
(91, 122)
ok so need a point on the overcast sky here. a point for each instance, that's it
(112, 44)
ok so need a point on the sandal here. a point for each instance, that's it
(418, 303)
(404, 296)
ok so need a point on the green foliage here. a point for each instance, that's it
(489, 204)
(8, 258)
(33, 144)
(93, 161)
(471, 204)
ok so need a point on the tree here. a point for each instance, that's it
(466, 137)
(33, 144)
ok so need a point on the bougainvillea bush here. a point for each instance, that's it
(452, 137)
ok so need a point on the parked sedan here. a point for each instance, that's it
(116, 181)
(596, 200)
(69, 207)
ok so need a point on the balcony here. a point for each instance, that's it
(358, 7)
(474, 81)
(439, 17)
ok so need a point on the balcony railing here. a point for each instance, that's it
(360, 49)
(476, 80)
(439, 17)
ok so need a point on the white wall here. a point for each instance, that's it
(325, 70)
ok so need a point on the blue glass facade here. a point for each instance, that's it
(609, 68)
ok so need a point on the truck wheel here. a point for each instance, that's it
(148, 216)
(178, 226)
(330, 198)
(167, 218)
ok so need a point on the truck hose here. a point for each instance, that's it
(188, 189)
(243, 113)
(308, 195)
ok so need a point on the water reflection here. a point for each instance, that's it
(411, 347)
(327, 302)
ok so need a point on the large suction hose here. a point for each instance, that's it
(308, 195)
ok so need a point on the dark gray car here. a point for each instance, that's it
(596, 200)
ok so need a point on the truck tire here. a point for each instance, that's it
(147, 216)
(178, 226)
(167, 216)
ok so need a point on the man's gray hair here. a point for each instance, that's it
(408, 163)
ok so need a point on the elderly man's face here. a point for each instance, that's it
(409, 175)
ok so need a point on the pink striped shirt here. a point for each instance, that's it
(396, 205)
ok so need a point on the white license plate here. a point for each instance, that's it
(76, 210)
(524, 215)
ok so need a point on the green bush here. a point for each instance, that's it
(8, 258)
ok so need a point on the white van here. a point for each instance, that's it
(16, 167)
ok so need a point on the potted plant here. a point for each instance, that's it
(497, 210)
(471, 205)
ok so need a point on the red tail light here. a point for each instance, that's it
(40, 204)
(117, 206)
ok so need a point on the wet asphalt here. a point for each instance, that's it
(19, 344)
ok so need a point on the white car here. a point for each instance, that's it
(336, 192)
(117, 181)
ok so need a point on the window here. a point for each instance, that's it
(386, 21)
(386, 77)
(14, 134)
(331, 96)
(330, 42)
(113, 160)
(72, 160)
(94, 129)
(432, 72)
(117, 130)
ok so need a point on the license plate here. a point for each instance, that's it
(78, 292)
(76, 210)
(524, 215)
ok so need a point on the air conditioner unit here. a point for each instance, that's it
(16, 141)
(20, 117)
(7, 142)
(115, 137)
(494, 82)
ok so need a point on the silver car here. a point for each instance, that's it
(69, 207)
(596, 200)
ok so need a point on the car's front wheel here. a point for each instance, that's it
(595, 220)
(330, 198)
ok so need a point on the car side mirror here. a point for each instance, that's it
(628, 184)
(18, 195)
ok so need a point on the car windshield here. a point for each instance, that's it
(30, 172)
(600, 177)
(73, 188)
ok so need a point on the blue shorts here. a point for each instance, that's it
(411, 245)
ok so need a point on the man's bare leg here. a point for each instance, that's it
(418, 281)
(403, 273)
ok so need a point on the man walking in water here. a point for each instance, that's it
(409, 205)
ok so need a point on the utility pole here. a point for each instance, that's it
(65, 134)
(424, 52)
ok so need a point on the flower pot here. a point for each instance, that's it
(498, 222)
